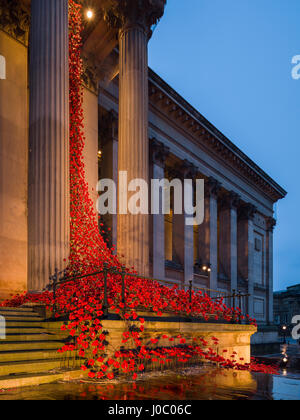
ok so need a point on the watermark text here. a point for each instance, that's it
(138, 197)
(2, 68)
(296, 329)
(2, 328)
(296, 68)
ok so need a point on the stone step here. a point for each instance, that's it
(29, 355)
(7, 382)
(24, 330)
(18, 314)
(20, 318)
(36, 366)
(44, 336)
(38, 345)
(19, 310)
(24, 324)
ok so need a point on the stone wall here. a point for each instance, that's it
(13, 167)
(234, 338)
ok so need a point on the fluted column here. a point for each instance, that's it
(134, 20)
(246, 250)
(190, 172)
(133, 157)
(208, 231)
(183, 233)
(159, 153)
(271, 223)
(49, 141)
(228, 237)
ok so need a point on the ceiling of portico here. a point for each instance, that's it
(99, 40)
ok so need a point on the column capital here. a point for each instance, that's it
(271, 223)
(158, 152)
(247, 211)
(212, 187)
(230, 200)
(189, 170)
(89, 75)
(123, 14)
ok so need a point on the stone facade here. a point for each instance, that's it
(142, 125)
(236, 238)
(286, 305)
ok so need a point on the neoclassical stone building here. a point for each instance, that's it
(134, 121)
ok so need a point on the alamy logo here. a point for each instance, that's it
(2, 68)
(296, 68)
(187, 197)
(2, 328)
(296, 329)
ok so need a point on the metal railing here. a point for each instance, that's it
(60, 278)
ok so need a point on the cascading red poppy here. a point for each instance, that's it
(83, 299)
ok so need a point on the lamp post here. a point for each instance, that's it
(206, 268)
(284, 329)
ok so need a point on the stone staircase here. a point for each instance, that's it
(28, 355)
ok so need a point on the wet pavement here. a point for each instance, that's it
(191, 384)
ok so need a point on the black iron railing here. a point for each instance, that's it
(60, 278)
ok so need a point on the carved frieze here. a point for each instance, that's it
(15, 20)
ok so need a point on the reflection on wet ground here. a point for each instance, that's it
(191, 384)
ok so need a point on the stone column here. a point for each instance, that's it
(184, 240)
(271, 223)
(48, 198)
(108, 131)
(246, 250)
(183, 234)
(228, 237)
(134, 20)
(208, 231)
(159, 154)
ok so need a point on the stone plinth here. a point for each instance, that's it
(234, 338)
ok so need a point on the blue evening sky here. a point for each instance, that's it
(231, 59)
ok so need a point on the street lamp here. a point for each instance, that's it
(206, 267)
(285, 361)
(284, 329)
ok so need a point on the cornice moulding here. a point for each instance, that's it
(171, 103)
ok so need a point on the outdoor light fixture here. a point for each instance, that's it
(89, 14)
(284, 329)
(99, 154)
(207, 267)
